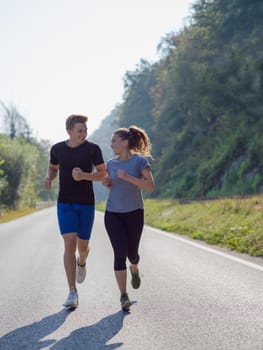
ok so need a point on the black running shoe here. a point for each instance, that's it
(135, 280)
(125, 302)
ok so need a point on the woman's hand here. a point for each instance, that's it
(122, 174)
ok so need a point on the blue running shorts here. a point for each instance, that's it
(76, 218)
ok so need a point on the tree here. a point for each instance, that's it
(15, 125)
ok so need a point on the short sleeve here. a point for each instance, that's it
(53, 156)
(144, 163)
(97, 158)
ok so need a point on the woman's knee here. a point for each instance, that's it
(120, 263)
(134, 259)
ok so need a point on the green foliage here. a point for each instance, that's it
(233, 223)
(202, 103)
(23, 164)
(138, 102)
(23, 170)
(15, 124)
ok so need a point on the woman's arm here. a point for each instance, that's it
(146, 182)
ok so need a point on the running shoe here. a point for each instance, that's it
(72, 300)
(135, 280)
(80, 272)
(125, 302)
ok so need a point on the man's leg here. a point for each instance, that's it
(83, 249)
(86, 220)
(70, 243)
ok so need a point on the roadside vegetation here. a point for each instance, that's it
(201, 104)
(15, 214)
(23, 165)
(235, 223)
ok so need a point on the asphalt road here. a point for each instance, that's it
(193, 296)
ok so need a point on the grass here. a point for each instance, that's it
(15, 214)
(235, 223)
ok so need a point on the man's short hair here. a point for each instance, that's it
(74, 119)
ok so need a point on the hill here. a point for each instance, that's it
(201, 104)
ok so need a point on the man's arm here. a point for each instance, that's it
(52, 172)
(96, 175)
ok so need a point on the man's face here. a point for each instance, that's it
(78, 133)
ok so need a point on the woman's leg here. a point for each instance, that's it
(134, 227)
(121, 278)
(134, 232)
(116, 232)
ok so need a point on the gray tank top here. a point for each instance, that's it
(123, 196)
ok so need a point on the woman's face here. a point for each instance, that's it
(118, 144)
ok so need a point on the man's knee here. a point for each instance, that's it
(70, 242)
(83, 246)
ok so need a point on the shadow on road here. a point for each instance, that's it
(29, 337)
(92, 337)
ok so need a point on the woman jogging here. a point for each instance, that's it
(128, 174)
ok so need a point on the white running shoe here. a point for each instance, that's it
(72, 300)
(80, 272)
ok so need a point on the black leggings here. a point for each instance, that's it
(124, 230)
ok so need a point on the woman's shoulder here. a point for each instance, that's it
(113, 160)
(139, 158)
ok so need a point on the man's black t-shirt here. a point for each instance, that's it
(85, 157)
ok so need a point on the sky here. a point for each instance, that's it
(62, 57)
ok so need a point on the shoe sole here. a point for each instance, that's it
(126, 306)
(80, 281)
(70, 306)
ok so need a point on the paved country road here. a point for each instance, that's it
(193, 296)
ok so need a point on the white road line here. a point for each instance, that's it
(227, 256)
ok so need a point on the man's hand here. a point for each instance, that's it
(47, 183)
(106, 181)
(77, 174)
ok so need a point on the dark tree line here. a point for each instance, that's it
(202, 104)
(23, 163)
